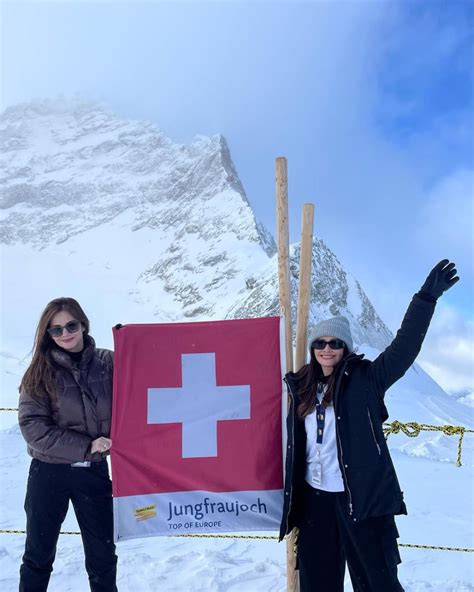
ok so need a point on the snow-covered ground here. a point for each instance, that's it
(439, 497)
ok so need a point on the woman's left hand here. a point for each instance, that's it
(441, 278)
(101, 444)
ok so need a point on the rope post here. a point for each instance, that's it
(283, 241)
(304, 289)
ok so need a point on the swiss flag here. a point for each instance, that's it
(197, 407)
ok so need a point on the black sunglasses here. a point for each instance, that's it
(71, 327)
(333, 344)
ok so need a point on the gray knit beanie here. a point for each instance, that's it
(335, 327)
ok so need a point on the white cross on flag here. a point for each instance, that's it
(196, 428)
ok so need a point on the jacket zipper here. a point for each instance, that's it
(373, 432)
(292, 453)
(339, 441)
(345, 476)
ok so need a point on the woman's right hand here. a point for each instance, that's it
(101, 444)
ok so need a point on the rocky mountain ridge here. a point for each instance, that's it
(167, 223)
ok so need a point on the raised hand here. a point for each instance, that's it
(441, 278)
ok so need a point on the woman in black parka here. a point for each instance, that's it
(341, 489)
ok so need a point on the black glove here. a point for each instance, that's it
(440, 279)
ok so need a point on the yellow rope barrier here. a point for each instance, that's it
(7, 531)
(458, 549)
(413, 429)
(259, 537)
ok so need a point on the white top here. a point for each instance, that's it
(322, 465)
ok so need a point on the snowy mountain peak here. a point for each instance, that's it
(334, 292)
(168, 224)
(73, 165)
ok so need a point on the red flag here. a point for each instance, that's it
(197, 425)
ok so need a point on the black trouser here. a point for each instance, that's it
(328, 538)
(49, 489)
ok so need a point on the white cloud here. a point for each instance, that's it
(448, 219)
(448, 351)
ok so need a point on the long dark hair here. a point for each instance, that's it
(310, 374)
(39, 379)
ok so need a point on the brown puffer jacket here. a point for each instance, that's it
(60, 429)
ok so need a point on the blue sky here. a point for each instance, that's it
(370, 101)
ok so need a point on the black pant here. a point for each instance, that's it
(329, 537)
(49, 489)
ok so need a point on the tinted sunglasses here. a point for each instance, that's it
(333, 344)
(71, 327)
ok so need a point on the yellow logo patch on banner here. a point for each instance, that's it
(145, 513)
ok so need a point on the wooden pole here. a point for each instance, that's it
(283, 241)
(304, 289)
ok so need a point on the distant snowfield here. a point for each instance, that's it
(439, 497)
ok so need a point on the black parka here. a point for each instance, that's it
(369, 476)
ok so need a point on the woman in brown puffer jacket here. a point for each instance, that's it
(65, 415)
